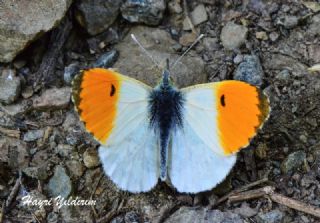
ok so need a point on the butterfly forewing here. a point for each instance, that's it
(114, 109)
(218, 120)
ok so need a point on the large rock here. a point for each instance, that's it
(97, 15)
(23, 21)
(190, 70)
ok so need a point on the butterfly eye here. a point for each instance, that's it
(222, 100)
(113, 90)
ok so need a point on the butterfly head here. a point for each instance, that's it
(165, 78)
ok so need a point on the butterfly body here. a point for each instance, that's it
(165, 115)
(189, 136)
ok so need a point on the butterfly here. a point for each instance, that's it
(187, 136)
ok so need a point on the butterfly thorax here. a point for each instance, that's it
(165, 114)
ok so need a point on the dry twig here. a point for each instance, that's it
(244, 188)
(35, 218)
(114, 211)
(93, 192)
(10, 132)
(268, 191)
(14, 191)
(251, 194)
(2, 212)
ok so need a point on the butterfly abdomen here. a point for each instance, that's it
(165, 114)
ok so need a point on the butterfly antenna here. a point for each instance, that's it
(144, 50)
(185, 52)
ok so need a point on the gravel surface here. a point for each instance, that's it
(266, 43)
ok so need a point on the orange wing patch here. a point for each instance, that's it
(241, 109)
(95, 94)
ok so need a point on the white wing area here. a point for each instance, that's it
(130, 155)
(197, 162)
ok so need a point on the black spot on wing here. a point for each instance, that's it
(113, 90)
(222, 100)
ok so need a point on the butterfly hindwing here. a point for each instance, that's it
(114, 109)
(218, 120)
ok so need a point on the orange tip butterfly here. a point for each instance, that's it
(188, 136)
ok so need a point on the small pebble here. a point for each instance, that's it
(202, 214)
(261, 151)
(16, 109)
(175, 7)
(102, 45)
(27, 92)
(246, 211)
(197, 16)
(303, 138)
(10, 86)
(261, 35)
(284, 75)
(148, 12)
(33, 135)
(176, 47)
(76, 169)
(38, 172)
(233, 36)
(187, 39)
(293, 161)
(274, 216)
(288, 21)
(273, 36)
(54, 98)
(250, 70)
(132, 217)
(210, 43)
(90, 158)
(60, 184)
(97, 16)
(238, 59)
(64, 150)
(314, 28)
(52, 217)
(106, 60)
(70, 72)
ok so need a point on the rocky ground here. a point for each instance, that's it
(45, 151)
